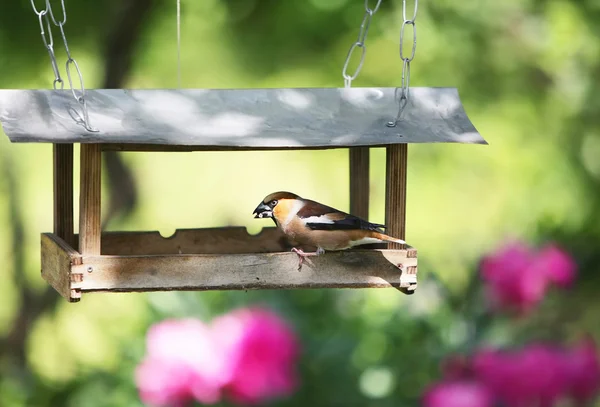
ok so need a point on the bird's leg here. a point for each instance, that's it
(303, 255)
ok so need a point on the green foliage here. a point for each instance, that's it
(528, 73)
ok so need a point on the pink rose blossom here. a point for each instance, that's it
(517, 277)
(261, 352)
(583, 371)
(183, 362)
(497, 373)
(540, 369)
(535, 375)
(457, 394)
(559, 266)
(248, 354)
(508, 281)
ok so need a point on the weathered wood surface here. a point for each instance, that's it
(148, 262)
(63, 192)
(395, 192)
(194, 241)
(224, 240)
(89, 199)
(57, 259)
(408, 280)
(239, 118)
(349, 269)
(359, 182)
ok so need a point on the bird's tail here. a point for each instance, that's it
(386, 238)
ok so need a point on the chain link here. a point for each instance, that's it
(48, 39)
(360, 43)
(403, 92)
(45, 16)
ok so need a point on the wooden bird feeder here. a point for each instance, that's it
(217, 120)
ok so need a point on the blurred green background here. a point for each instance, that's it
(528, 73)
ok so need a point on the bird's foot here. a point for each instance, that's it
(303, 256)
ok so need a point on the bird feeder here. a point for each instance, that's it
(225, 120)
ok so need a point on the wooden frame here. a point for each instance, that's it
(208, 266)
(63, 192)
(217, 258)
(89, 199)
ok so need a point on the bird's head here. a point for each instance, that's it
(266, 209)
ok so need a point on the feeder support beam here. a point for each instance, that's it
(395, 192)
(89, 200)
(359, 182)
(63, 192)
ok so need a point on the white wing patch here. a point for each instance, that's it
(317, 219)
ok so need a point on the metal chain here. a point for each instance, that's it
(45, 16)
(48, 41)
(406, 60)
(360, 43)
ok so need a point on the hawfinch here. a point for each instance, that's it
(306, 222)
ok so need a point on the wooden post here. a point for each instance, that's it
(359, 182)
(63, 192)
(395, 192)
(89, 199)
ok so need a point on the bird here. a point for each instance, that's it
(310, 223)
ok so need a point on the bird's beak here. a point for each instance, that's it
(263, 211)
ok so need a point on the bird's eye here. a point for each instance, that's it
(273, 203)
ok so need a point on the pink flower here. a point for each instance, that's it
(536, 375)
(509, 282)
(183, 362)
(517, 277)
(532, 376)
(457, 394)
(540, 370)
(261, 352)
(248, 354)
(583, 371)
(494, 370)
(558, 265)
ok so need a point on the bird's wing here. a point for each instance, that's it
(317, 216)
